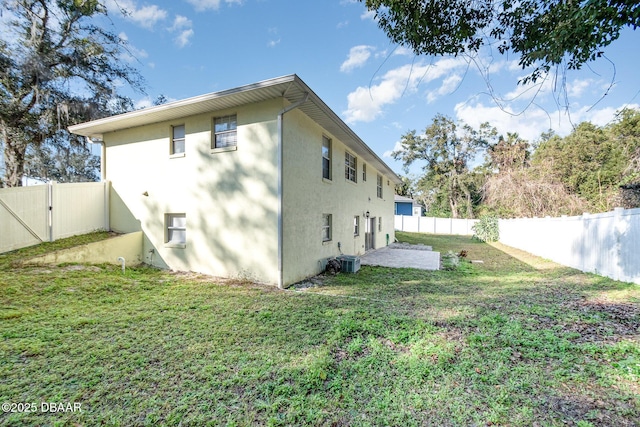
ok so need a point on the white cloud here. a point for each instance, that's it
(201, 5)
(449, 85)
(184, 37)
(183, 26)
(577, 87)
(273, 43)
(131, 53)
(403, 51)
(367, 103)
(533, 121)
(146, 16)
(358, 56)
(529, 125)
(181, 22)
(396, 147)
(368, 15)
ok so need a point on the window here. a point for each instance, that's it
(176, 229)
(379, 223)
(177, 139)
(225, 132)
(356, 225)
(364, 172)
(326, 158)
(379, 186)
(350, 167)
(326, 227)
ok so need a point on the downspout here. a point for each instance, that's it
(280, 199)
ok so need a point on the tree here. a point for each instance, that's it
(588, 161)
(58, 66)
(508, 154)
(58, 160)
(447, 149)
(544, 33)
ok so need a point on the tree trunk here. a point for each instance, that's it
(14, 153)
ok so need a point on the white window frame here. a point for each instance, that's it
(170, 226)
(326, 142)
(350, 167)
(379, 186)
(231, 120)
(172, 148)
(380, 223)
(326, 227)
(364, 172)
(356, 225)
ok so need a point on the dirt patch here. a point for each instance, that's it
(311, 282)
(81, 267)
(612, 322)
(587, 404)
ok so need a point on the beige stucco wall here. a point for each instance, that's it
(307, 196)
(128, 246)
(229, 198)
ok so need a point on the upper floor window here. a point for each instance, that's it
(364, 172)
(326, 158)
(350, 167)
(177, 139)
(379, 186)
(225, 131)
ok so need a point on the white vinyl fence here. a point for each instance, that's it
(427, 224)
(607, 244)
(43, 213)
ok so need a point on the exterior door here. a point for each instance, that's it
(369, 234)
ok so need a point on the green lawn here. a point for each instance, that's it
(513, 340)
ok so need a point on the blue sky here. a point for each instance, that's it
(186, 48)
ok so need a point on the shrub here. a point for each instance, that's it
(487, 229)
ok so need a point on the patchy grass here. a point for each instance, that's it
(501, 342)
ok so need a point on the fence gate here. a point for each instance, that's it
(43, 213)
(24, 216)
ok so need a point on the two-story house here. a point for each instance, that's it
(263, 181)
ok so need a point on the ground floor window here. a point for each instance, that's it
(326, 227)
(175, 229)
(356, 225)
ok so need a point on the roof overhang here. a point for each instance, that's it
(290, 87)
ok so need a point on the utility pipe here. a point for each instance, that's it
(280, 199)
(122, 261)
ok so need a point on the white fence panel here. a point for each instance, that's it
(426, 224)
(606, 243)
(30, 215)
(79, 208)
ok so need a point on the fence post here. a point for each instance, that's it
(619, 230)
(50, 208)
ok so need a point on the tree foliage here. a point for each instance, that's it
(543, 33)
(58, 66)
(592, 169)
(446, 148)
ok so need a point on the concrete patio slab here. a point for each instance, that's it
(402, 258)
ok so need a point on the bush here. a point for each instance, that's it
(487, 229)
